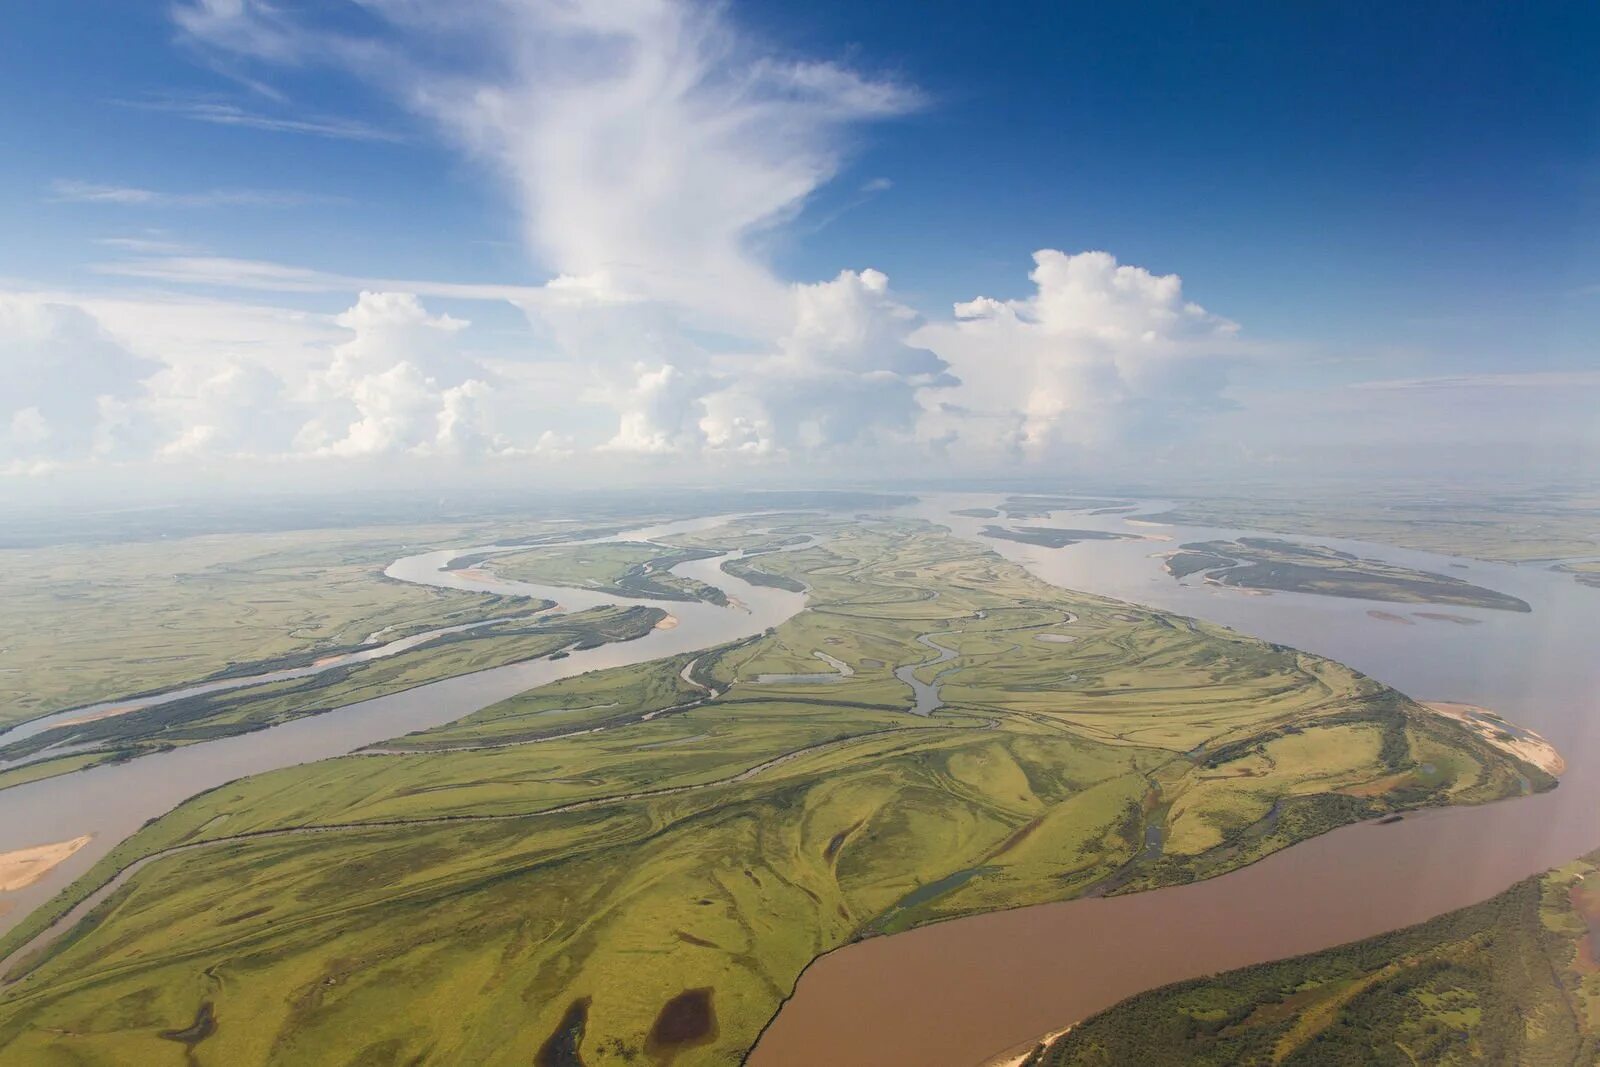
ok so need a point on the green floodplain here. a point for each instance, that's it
(515, 630)
(1268, 563)
(1541, 524)
(1515, 979)
(634, 865)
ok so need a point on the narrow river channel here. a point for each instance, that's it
(113, 801)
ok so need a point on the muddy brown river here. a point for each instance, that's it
(961, 992)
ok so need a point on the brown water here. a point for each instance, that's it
(113, 801)
(960, 992)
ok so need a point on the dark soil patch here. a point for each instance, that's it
(686, 1020)
(561, 1048)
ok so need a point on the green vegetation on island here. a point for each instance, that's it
(621, 568)
(1512, 980)
(1546, 523)
(1267, 563)
(636, 864)
(1039, 506)
(84, 624)
(1052, 536)
(205, 717)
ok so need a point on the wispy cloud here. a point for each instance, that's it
(260, 275)
(1555, 379)
(652, 144)
(68, 191)
(219, 113)
(147, 246)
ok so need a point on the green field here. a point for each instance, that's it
(84, 624)
(1267, 563)
(1511, 980)
(621, 568)
(204, 718)
(634, 865)
(1547, 524)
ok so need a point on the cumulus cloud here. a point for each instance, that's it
(657, 414)
(1101, 353)
(390, 380)
(843, 374)
(651, 150)
(398, 385)
(63, 380)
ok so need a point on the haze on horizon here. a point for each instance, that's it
(539, 243)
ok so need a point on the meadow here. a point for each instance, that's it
(1511, 980)
(191, 720)
(623, 568)
(1268, 563)
(634, 865)
(90, 622)
(1546, 523)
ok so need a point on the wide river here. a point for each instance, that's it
(962, 992)
(958, 994)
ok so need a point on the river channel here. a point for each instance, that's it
(962, 992)
(113, 801)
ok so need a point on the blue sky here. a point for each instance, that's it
(1354, 193)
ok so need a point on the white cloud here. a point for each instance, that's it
(66, 191)
(658, 415)
(230, 273)
(1101, 353)
(221, 113)
(398, 385)
(650, 143)
(60, 375)
(1556, 379)
(843, 374)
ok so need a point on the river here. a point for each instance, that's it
(960, 992)
(957, 994)
(113, 801)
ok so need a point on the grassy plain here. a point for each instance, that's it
(1540, 525)
(1512, 980)
(86, 623)
(1267, 563)
(203, 718)
(623, 568)
(635, 865)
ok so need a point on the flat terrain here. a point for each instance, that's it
(634, 865)
(1267, 563)
(1587, 572)
(1515, 979)
(623, 568)
(1052, 536)
(85, 623)
(1550, 524)
(110, 737)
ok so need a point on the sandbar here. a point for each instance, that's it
(25, 866)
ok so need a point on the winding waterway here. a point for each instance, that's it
(960, 993)
(111, 802)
